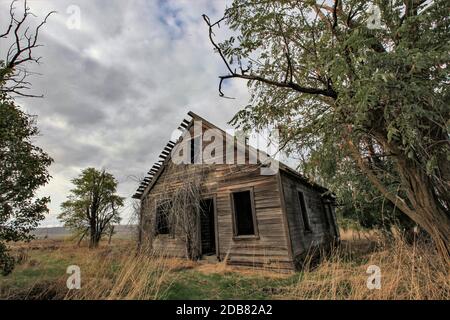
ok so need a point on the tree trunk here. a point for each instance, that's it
(424, 207)
(428, 212)
(81, 238)
(111, 232)
(93, 241)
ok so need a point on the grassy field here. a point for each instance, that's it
(116, 271)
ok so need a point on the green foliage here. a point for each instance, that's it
(23, 166)
(358, 200)
(93, 205)
(391, 99)
(23, 169)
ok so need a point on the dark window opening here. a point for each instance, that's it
(327, 212)
(207, 227)
(195, 150)
(243, 213)
(303, 212)
(162, 225)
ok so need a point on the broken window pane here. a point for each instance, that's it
(162, 225)
(243, 211)
(304, 212)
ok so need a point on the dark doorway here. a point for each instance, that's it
(207, 227)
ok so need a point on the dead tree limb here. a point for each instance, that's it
(12, 71)
(328, 92)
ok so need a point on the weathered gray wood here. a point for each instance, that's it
(321, 231)
(280, 238)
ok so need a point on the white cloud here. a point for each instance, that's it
(116, 88)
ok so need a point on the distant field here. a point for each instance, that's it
(118, 271)
(121, 232)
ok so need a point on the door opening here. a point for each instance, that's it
(207, 227)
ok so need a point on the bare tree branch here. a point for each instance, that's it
(289, 70)
(20, 52)
(335, 8)
(11, 20)
(328, 92)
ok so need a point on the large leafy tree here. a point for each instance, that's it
(359, 81)
(23, 166)
(23, 169)
(359, 203)
(93, 205)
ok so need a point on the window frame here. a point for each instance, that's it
(327, 215)
(170, 225)
(255, 234)
(213, 197)
(304, 216)
(195, 150)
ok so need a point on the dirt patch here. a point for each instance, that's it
(222, 268)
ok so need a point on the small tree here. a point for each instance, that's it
(92, 206)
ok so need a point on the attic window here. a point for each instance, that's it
(162, 225)
(303, 211)
(244, 213)
(195, 150)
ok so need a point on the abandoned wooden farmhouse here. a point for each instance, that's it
(220, 208)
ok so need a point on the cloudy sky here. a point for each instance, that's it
(116, 87)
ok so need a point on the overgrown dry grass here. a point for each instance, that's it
(133, 275)
(109, 272)
(408, 271)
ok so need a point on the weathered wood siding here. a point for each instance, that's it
(169, 180)
(322, 231)
(269, 249)
(271, 246)
(281, 239)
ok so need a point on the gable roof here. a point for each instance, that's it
(158, 167)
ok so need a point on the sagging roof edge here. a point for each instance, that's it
(282, 166)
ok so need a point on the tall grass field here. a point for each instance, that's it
(119, 271)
